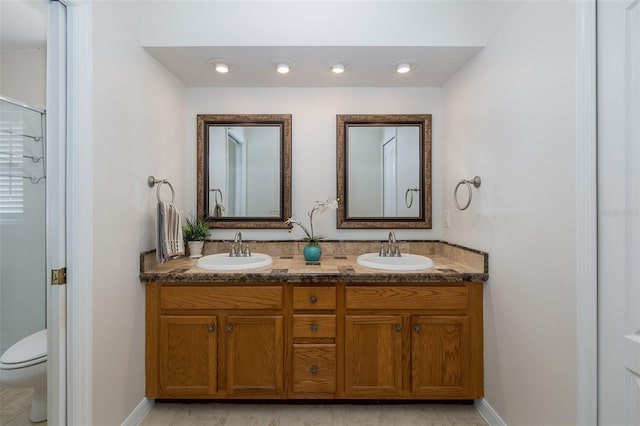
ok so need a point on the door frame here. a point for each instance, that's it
(79, 206)
(586, 216)
(56, 212)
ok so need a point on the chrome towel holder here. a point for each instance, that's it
(152, 181)
(408, 196)
(475, 182)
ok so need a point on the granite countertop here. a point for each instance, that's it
(338, 264)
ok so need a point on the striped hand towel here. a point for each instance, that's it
(169, 242)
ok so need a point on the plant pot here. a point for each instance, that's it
(312, 252)
(195, 249)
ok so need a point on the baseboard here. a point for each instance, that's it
(139, 412)
(490, 415)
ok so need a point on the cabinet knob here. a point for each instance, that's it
(313, 299)
(314, 326)
(229, 328)
(398, 327)
(417, 328)
(314, 369)
(212, 327)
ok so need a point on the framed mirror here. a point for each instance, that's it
(244, 170)
(384, 171)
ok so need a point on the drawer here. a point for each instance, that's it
(314, 326)
(408, 297)
(320, 298)
(314, 368)
(224, 297)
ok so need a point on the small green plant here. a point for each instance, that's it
(194, 229)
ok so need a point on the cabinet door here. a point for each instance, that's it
(254, 355)
(373, 355)
(188, 355)
(440, 357)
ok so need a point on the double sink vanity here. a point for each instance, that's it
(334, 329)
(354, 325)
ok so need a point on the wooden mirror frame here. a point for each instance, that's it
(281, 120)
(423, 121)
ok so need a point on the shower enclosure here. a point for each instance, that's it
(22, 221)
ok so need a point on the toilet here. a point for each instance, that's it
(24, 365)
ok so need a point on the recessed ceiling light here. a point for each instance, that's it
(222, 68)
(220, 65)
(337, 68)
(403, 68)
(283, 68)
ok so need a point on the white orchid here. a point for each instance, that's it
(318, 206)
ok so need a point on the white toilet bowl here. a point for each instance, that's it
(24, 365)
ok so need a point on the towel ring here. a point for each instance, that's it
(475, 182)
(409, 201)
(152, 181)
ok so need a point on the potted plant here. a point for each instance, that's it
(194, 231)
(312, 251)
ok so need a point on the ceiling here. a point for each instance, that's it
(366, 66)
(23, 24)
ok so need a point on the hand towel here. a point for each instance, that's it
(169, 242)
(218, 210)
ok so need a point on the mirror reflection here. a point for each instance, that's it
(384, 171)
(246, 170)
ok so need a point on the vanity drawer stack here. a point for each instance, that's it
(314, 342)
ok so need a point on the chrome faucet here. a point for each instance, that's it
(393, 249)
(236, 247)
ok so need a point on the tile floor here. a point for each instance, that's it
(15, 405)
(250, 414)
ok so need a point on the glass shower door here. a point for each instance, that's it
(22, 222)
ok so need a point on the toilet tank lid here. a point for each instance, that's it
(30, 348)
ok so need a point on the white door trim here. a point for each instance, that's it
(56, 213)
(586, 215)
(79, 212)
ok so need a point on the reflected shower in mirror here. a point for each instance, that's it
(244, 173)
(384, 171)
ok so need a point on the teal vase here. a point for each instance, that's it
(312, 253)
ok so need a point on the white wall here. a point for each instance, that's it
(365, 171)
(314, 23)
(23, 75)
(509, 117)
(263, 181)
(314, 113)
(138, 131)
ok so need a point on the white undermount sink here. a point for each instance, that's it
(224, 262)
(406, 262)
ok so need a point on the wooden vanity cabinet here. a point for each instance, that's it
(420, 342)
(214, 341)
(304, 341)
(188, 355)
(254, 355)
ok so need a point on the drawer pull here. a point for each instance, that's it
(314, 369)
(417, 328)
(229, 328)
(398, 327)
(314, 326)
(212, 327)
(313, 299)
